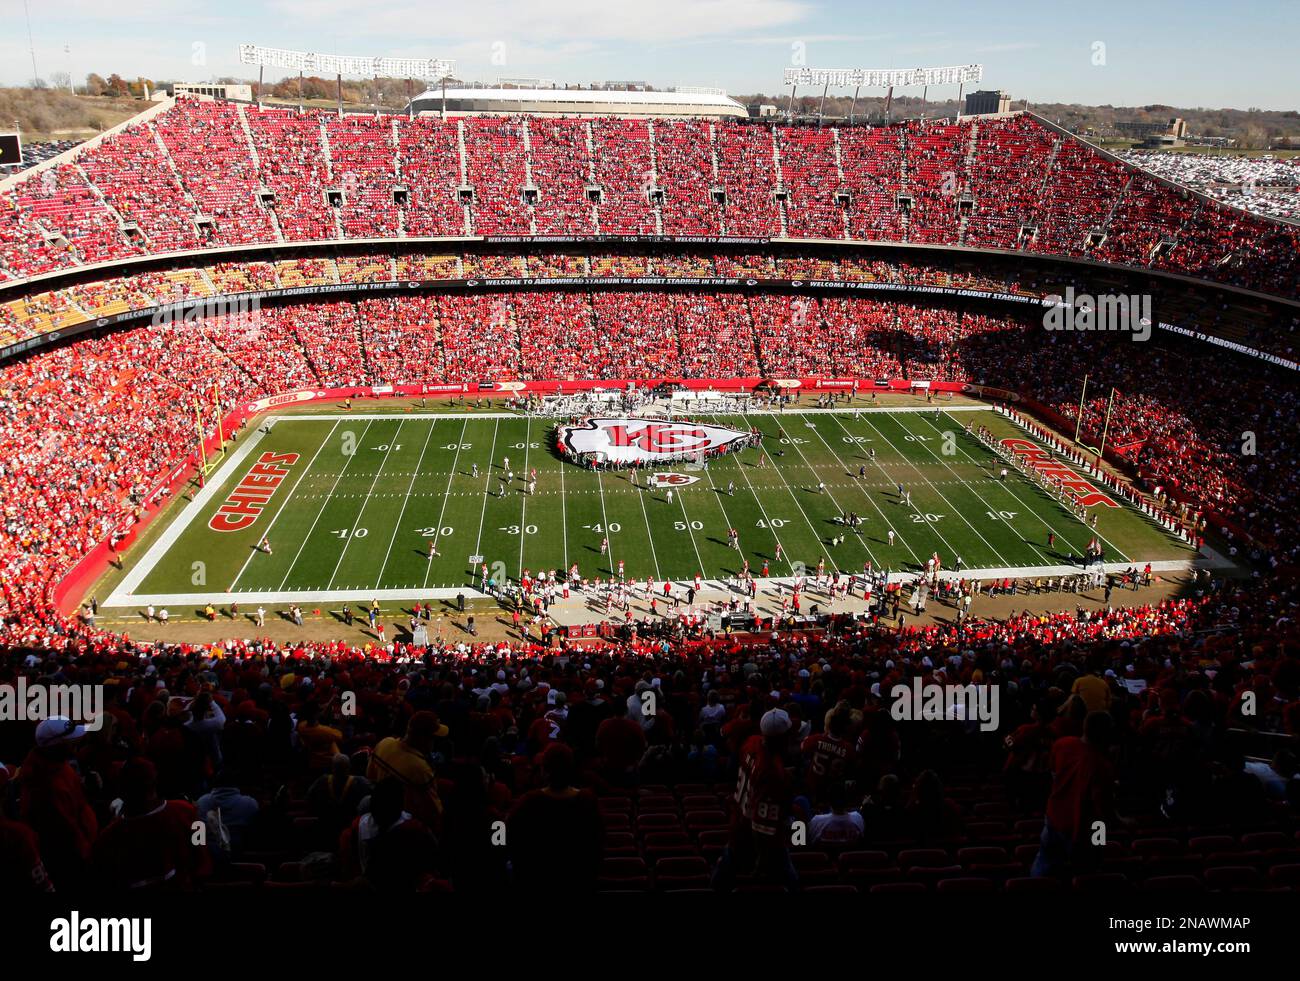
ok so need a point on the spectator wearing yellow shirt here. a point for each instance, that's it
(320, 741)
(1094, 690)
(408, 760)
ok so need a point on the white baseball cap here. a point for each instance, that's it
(775, 722)
(57, 730)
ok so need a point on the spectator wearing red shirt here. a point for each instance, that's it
(1083, 782)
(53, 802)
(759, 845)
(620, 743)
(554, 834)
(151, 845)
(21, 870)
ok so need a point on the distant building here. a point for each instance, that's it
(1176, 128)
(498, 101)
(987, 102)
(213, 90)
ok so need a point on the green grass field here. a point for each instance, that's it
(351, 525)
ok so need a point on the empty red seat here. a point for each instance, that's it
(910, 858)
(700, 820)
(624, 873)
(1285, 875)
(1174, 883)
(1225, 877)
(897, 888)
(665, 843)
(658, 802)
(1102, 882)
(681, 872)
(658, 821)
(1157, 846)
(1027, 884)
(966, 884)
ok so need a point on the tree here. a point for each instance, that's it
(117, 86)
(95, 85)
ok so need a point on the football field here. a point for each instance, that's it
(400, 506)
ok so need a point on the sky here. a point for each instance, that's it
(1188, 54)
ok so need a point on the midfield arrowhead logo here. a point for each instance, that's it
(642, 440)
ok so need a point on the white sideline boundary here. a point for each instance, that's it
(124, 596)
(336, 416)
(173, 531)
(1212, 560)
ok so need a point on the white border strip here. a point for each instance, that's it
(214, 482)
(710, 585)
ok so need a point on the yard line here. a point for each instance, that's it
(650, 535)
(1010, 491)
(951, 506)
(870, 499)
(406, 499)
(807, 520)
(564, 518)
(478, 542)
(982, 498)
(307, 537)
(446, 494)
(605, 518)
(828, 490)
(681, 501)
(366, 500)
(763, 511)
(893, 482)
(523, 510)
(283, 504)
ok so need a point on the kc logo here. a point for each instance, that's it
(643, 440)
(657, 437)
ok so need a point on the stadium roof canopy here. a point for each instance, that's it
(579, 102)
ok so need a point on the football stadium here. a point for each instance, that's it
(525, 486)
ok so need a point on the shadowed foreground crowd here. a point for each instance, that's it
(729, 763)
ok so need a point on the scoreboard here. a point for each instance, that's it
(11, 149)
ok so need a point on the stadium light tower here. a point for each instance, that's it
(428, 69)
(882, 78)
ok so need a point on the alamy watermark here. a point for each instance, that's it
(1103, 312)
(22, 702)
(242, 313)
(921, 702)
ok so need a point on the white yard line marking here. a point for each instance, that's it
(785, 553)
(523, 510)
(324, 505)
(284, 504)
(365, 502)
(957, 434)
(492, 454)
(605, 518)
(870, 499)
(173, 531)
(681, 501)
(442, 512)
(947, 544)
(841, 511)
(406, 498)
(564, 518)
(650, 535)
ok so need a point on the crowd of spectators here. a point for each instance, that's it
(205, 174)
(385, 769)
